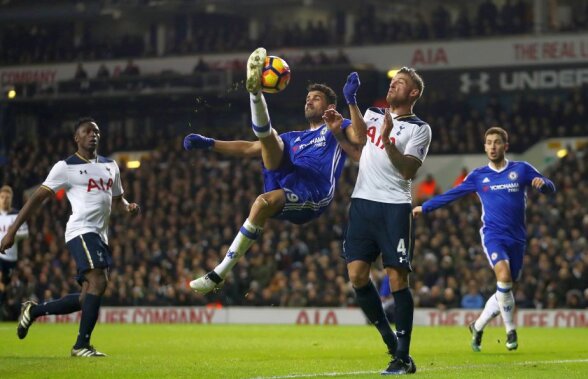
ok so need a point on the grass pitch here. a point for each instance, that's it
(276, 352)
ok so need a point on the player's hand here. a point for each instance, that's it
(334, 120)
(350, 88)
(416, 211)
(133, 208)
(387, 127)
(6, 242)
(197, 141)
(538, 183)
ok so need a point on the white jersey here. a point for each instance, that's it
(378, 179)
(90, 187)
(7, 219)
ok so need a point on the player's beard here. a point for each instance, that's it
(313, 116)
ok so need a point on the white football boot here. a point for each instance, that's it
(206, 283)
(254, 67)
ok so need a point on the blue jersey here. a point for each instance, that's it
(312, 163)
(503, 196)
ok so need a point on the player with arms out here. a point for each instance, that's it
(8, 260)
(501, 187)
(300, 168)
(92, 183)
(380, 219)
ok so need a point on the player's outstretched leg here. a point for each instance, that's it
(26, 319)
(512, 342)
(254, 68)
(399, 367)
(245, 238)
(476, 337)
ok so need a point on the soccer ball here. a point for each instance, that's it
(275, 74)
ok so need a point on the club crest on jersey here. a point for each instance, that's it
(513, 175)
(324, 131)
(99, 184)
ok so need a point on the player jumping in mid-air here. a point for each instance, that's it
(501, 187)
(301, 168)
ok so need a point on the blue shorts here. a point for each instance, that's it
(305, 201)
(376, 228)
(89, 252)
(6, 267)
(498, 249)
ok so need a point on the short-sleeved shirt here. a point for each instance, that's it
(7, 219)
(90, 187)
(378, 179)
(312, 163)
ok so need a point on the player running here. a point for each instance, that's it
(300, 168)
(501, 187)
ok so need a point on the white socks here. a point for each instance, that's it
(501, 302)
(242, 242)
(507, 304)
(259, 115)
(491, 310)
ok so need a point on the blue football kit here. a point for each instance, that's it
(312, 163)
(504, 199)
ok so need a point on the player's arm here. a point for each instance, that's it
(538, 181)
(121, 202)
(407, 165)
(466, 187)
(356, 134)
(334, 122)
(235, 148)
(39, 196)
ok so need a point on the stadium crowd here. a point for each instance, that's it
(34, 42)
(194, 202)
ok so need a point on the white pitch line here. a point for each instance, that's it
(488, 365)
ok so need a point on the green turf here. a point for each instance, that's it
(218, 351)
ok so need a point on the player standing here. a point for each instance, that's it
(8, 260)
(92, 183)
(501, 187)
(300, 168)
(380, 219)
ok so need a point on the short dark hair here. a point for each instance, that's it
(497, 130)
(328, 91)
(416, 78)
(81, 121)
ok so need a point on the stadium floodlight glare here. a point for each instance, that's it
(11, 94)
(392, 72)
(562, 153)
(133, 164)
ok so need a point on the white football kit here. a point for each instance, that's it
(7, 219)
(90, 187)
(378, 179)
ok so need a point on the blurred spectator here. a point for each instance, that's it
(201, 66)
(102, 72)
(80, 73)
(131, 69)
(473, 299)
(460, 178)
(427, 188)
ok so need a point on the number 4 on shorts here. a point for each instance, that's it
(401, 248)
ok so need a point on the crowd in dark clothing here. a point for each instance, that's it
(194, 202)
(198, 33)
